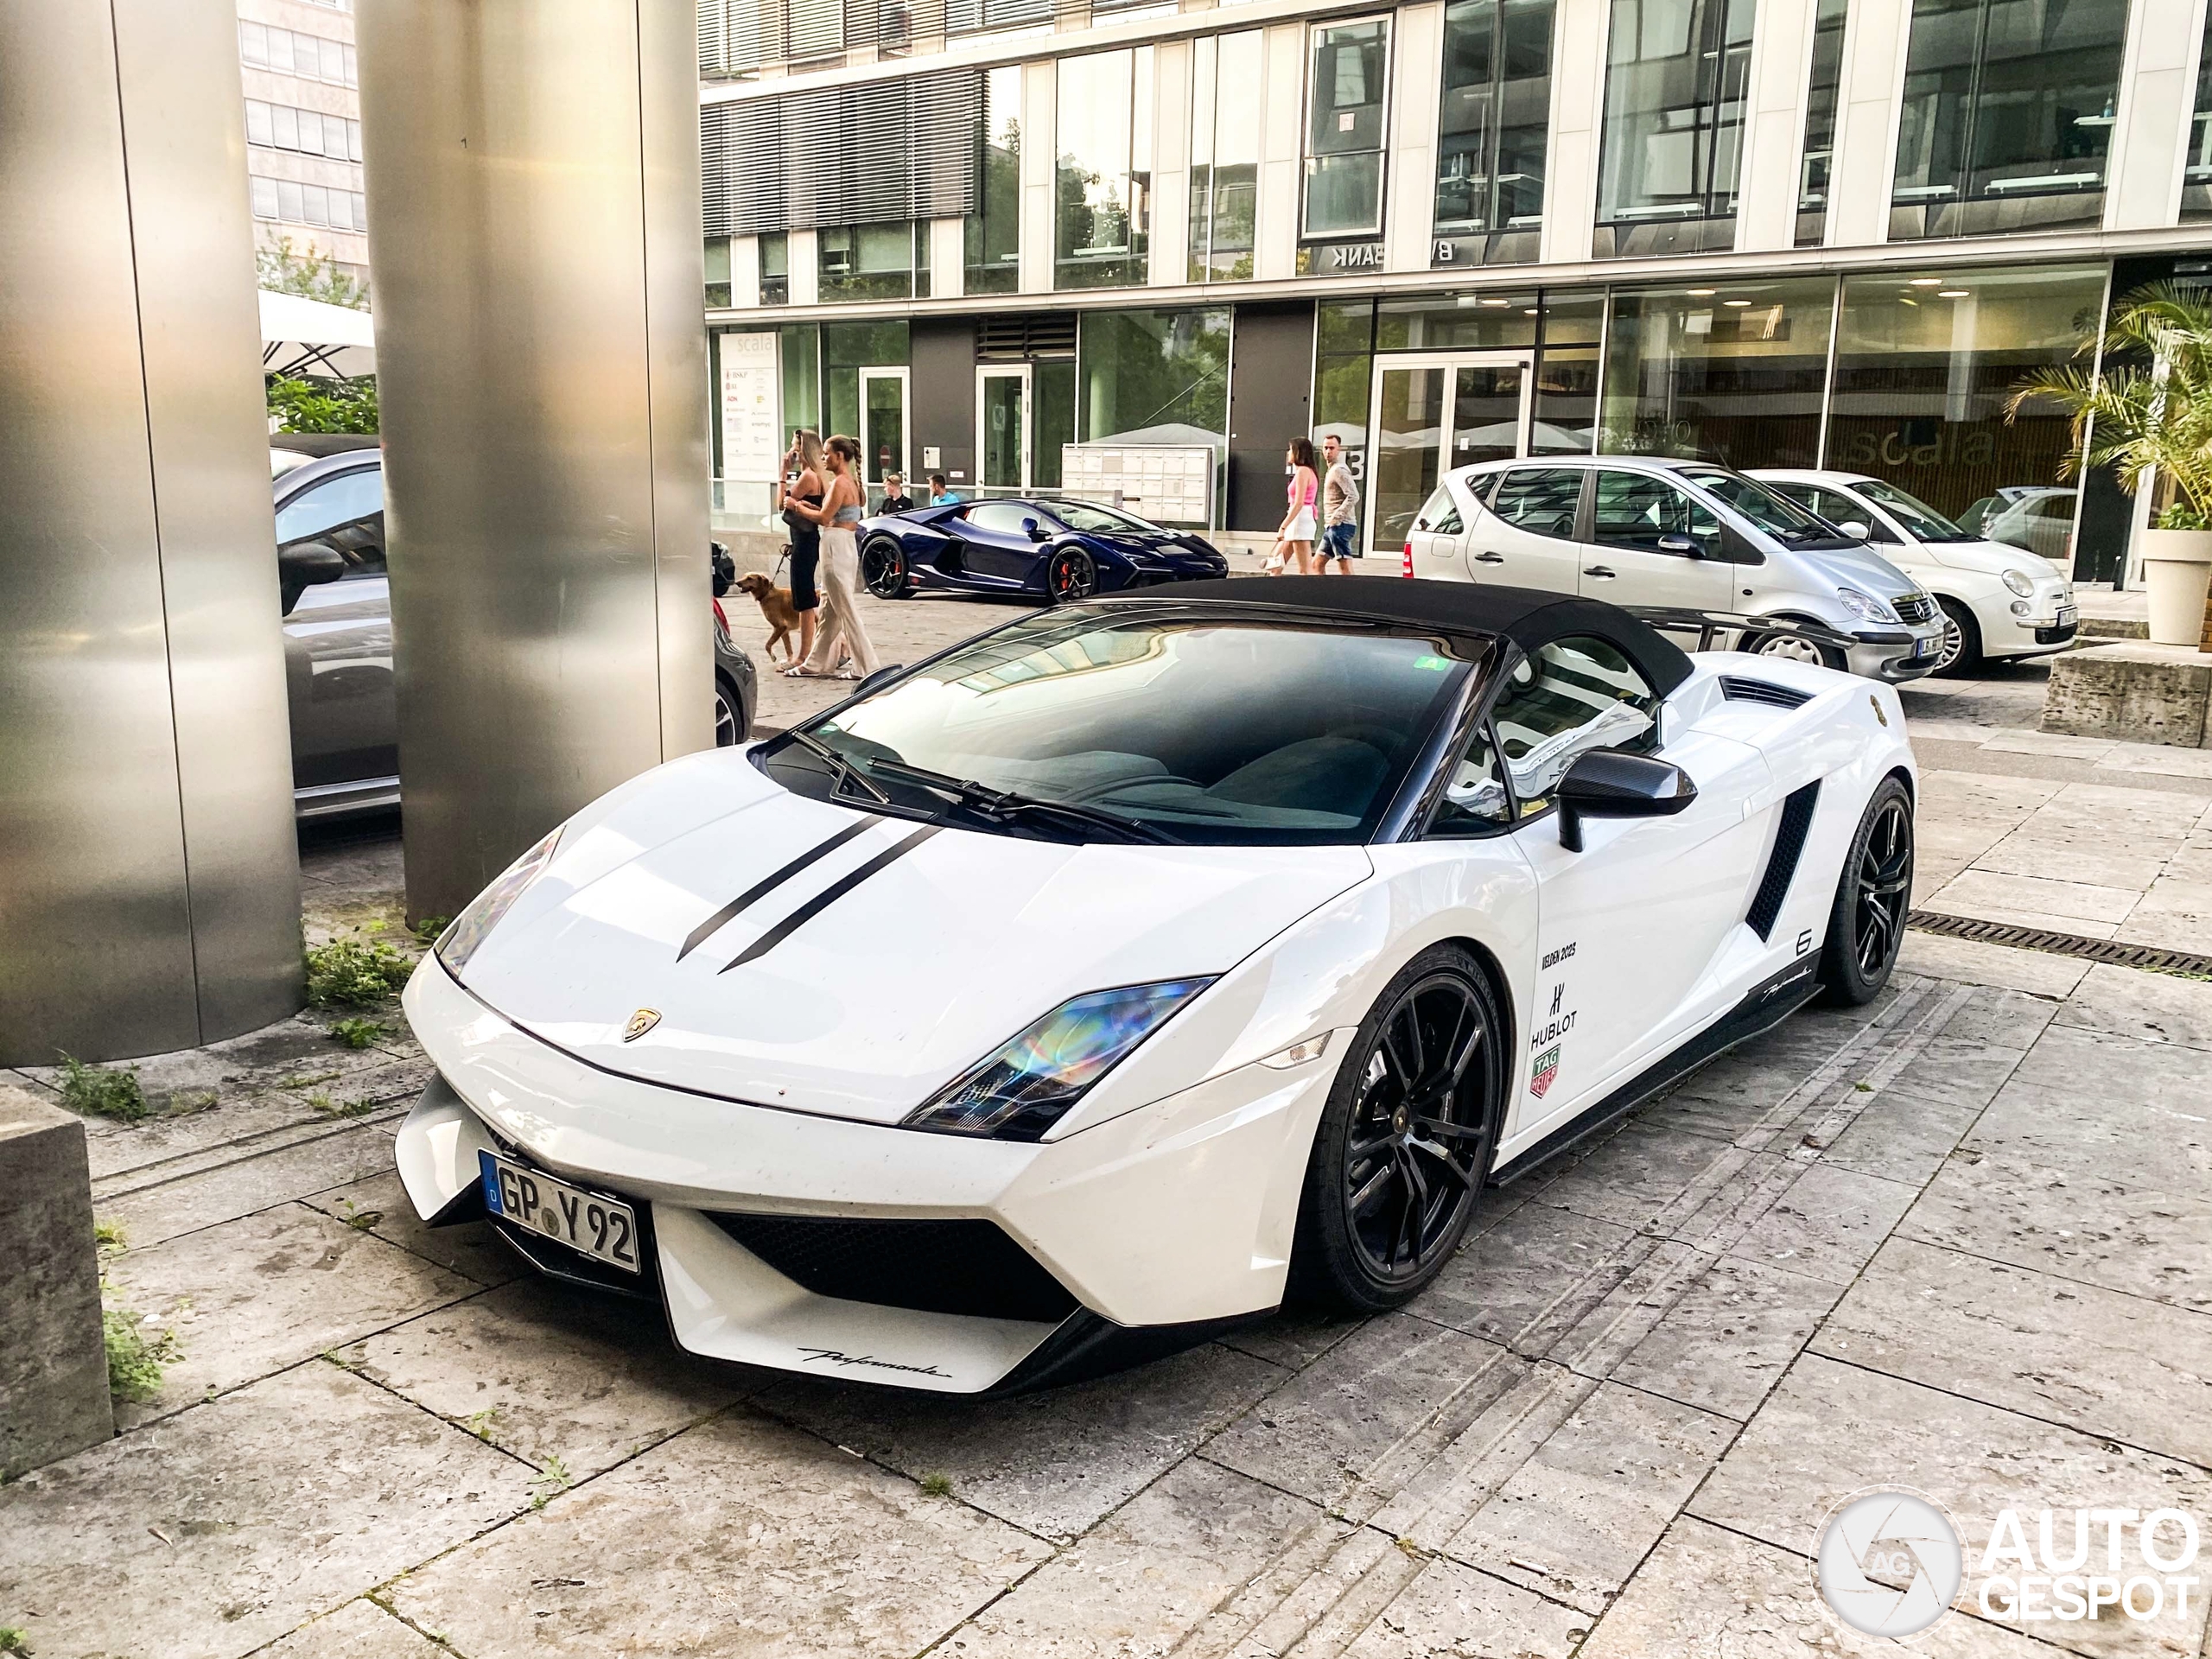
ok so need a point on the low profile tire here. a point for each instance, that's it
(729, 716)
(1867, 925)
(1407, 1139)
(1961, 652)
(1070, 575)
(1794, 648)
(883, 567)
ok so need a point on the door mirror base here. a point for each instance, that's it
(1611, 784)
(303, 565)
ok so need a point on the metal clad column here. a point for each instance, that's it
(535, 240)
(148, 875)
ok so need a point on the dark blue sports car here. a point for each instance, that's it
(1046, 546)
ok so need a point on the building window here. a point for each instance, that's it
(1820, 122)
(1225, 155)
(279, 126)
(1347, 111)
(2008, 115)
(866, 262)
(2196, 175)
(308, 204)
(287, 51)
(1923, 369)
(847, 349)
(1155, 377)
(718, 286)
(991, 236)
(1490, 141)
(1103, 178)
(776, 269)
(1733, 372)
(1674, 86)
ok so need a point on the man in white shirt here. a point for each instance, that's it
(1340, 509)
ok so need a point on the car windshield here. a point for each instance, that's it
(1773, 512)
(1189, 725)
(1922, 522)
(1088, 515)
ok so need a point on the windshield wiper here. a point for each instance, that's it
(1005, 803)
(846, 771)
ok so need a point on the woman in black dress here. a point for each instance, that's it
(802, 481)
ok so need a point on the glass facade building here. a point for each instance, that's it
(1445, 232)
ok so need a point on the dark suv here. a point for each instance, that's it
(337, 639)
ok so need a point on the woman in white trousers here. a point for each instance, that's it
(839, 516)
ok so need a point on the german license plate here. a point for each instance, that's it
(1922, 648)
(602, 1227)
(2067, 614)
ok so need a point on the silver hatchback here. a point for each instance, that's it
(1639, 531)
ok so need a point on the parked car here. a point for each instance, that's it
(1648, 532)
(1998, 601)
(2039, 521)
(1051, 548)
(337, 639)
(1118, 972)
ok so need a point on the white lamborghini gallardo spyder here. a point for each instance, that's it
(1115, 974)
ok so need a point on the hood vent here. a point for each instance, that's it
(1735, 688)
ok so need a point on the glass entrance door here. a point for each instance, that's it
(1002, 431)
(1432, 413)
(883, 425)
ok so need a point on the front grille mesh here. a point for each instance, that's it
(1917, 609)
(933, 1267)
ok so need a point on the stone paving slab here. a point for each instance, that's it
(739, 1537)
(1828, 1224)
(1834, 1429)
(581, 1382)
(254, 1180)
(2158, 1007)
(1520, 1283)
(1730, 1337)
(359, 1630)
(209, 1534)
(379, 1204)
(1053, 1464)
(260, 1294)
(1449, 1610)
(2134, 1370)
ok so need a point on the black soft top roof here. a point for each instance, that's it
(1527, 616)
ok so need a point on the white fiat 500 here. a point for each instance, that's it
(1648, 532)
(1117, 972)
(1998, 601)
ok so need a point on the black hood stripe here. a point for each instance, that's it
(707, 929)
(828, 896)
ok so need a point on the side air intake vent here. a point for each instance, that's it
(1737, 689)
(934, 1267)
(1788, 844)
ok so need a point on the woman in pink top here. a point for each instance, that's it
(1295, 538)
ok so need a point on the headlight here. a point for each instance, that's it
(1864, 606)
(481, 914)
(1023, 1089)
(2020, 583)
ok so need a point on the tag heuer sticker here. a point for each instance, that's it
(1546, 1068)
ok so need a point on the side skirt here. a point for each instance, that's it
(1765, 1005)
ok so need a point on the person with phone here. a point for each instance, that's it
(796, 497)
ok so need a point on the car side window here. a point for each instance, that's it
(1636, 510)
(1440, 514)
(332, 502)
(1000, 518)
(1539, 500)
(1570, 697)
(1474, 802)
(1840, 509)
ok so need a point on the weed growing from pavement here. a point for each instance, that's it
(14, 1639)
(108, 1237)
(135, 1365)
(361, 1220)
(104, 1092)
(330, 1108)
(429, 927)
(937, 1484)
(357, 971)
(554, 1481)
(357, 1032)
(479, 1423)
(308, 1079)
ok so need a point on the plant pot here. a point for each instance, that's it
(2178, 569)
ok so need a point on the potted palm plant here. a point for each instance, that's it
(2148, 416)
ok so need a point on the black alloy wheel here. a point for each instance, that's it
(1961, 651)
(1407, 1140)
(1867, 926)
(1070, 575)
(883, 567)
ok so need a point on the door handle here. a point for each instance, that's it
(1489, 558)
(1597, 570)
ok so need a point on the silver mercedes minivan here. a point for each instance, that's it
(1645, 530)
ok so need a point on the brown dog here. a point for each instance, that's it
(775, 604)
